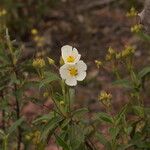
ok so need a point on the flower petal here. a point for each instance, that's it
(64, 71)
(81, 76)
(81, 66)
(71, 81)
(75, 52)
(66, 51)
(77, 58)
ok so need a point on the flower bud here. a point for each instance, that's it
(98, 63)
(45, 94)
(62, 103)
(34, 31)
(136, 28)
(132, 12)
(38, 63)
(105, 98)
(50, 61)
(61, 61)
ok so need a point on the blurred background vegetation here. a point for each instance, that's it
(91, 26)
(42, 27)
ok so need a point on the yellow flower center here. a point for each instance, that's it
(73, 71)
(70, 59)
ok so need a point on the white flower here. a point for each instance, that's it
(72, 73)
(70, 55)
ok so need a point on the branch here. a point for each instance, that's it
(94, 3)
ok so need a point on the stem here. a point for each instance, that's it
(89, 146)
(63, 89)
(57, 107)
(5, 143)
(69, 103)
(115, 70)
(3, 113)
(13, 60)
(18, 117)
(3, 119)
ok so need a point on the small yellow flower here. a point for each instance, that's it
(132, 12)
(36, 138)
(129, 50)
(62, 103)
(111, 54)
(104, 96)
(51, 61)
(111, 51)
(98, 63)
(27, 137)
(45, 94)
(3, 12)
(136, 28)
(118, 55)
(34, 31)
(38, 63)
(36, 38)
(39, 40)
(108, 57)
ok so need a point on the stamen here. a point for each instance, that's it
(70, 59)
(73, 71)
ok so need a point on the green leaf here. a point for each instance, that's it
(49, 77)
(43, 118)
(138, 110)
(80, 112)
(65, 123)
(62, 143)
(129, 130)
(114, 132)
(102, 140)
(50, 126)
(105, 117)
(145, 71)
(31, 84)
(76, 135)
(124, 146)
(124, 83)
(15, 125)
(120, 115)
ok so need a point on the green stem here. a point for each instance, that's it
(5, 142)
(57, 107)
(18, 117)
(63, 89)
(3, 113)
(68, 99)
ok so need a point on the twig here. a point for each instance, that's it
(3, 113)
(94, 3)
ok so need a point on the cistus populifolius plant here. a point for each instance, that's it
(69, 126)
